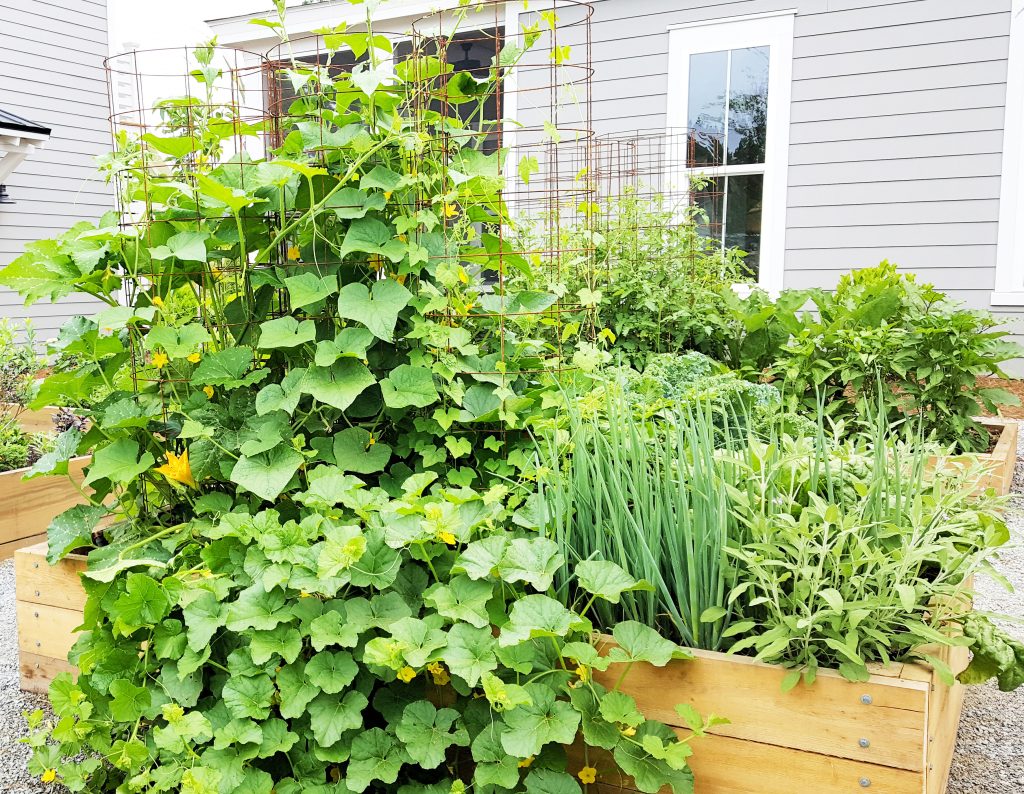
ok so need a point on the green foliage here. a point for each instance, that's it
(809, 552)
(659, 284)
(324, 565)
(883, 336)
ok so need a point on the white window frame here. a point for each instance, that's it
(774, 30)
(1009, 282)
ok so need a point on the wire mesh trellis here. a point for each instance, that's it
(216, 127)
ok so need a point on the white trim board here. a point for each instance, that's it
(774, 30)
(1009, 281)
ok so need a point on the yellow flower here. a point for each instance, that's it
(194, 357)
(354, 177)
(406, 674)
(387, 195)
(525, 762)
(463, 276)
(372, 441)
(177, 469)
(158, 302)
(160, 360)
(447, 537)
(439, 673)
(628, 731)
(450, 210)
(49, 775)
(469, 307)
(304, 594)
(587, 775)
(208, 391)
(581, 671)
(293, 252)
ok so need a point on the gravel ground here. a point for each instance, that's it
(989, 756)
(989, 751)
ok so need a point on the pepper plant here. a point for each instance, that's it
(318, 562)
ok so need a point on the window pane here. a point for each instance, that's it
(743, 217)
(709, 199)
(705, 115)
(748, 105)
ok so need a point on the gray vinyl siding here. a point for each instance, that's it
(51, 71)
(896, 130)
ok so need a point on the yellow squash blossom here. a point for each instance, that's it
(446, 537)
(587, 775)
(160, 360)
(208, 391)
(628, 731)
(525, 762)
(450, 210)
(158, 302)
(293, 252)
(439, 673)
(49, 776)
(406, 674)
(387, 195)
(194, 357)
(581, 671)
(177, 469)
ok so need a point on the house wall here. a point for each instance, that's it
(51, 72)
(896, 127)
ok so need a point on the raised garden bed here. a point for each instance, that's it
(894, 733)
(997, 465)
(50, 603)
(28, 506)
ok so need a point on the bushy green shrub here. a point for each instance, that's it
(882, 337)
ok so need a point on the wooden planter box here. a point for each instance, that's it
(50, 603)
(28, 506)
(997, 465)
(894, 733)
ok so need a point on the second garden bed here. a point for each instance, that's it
(28, 506)
(997, 466)
(894, 733)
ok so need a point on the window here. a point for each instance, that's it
(1009, 286)
(730, 89)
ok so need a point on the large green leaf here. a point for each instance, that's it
(72, 529)
(225, 367)
(332, 671)
(470, 652)
(308, 288)
(286, 332)
(268, 473)
(462, 599)
(350, 202)
(545, 721)
(186, 246)
(339, 384)
(376, 755)
(428, 733)
(353, 451)
(247, 696)
(640, 643)
(536, 616)
(371, 236)
(177, 342)
(119, 462)
(332, 715)
(409, 386)
(607, 580)
(377, 309)
(532, 560)
(494, 767)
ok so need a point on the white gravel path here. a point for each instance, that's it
(989, 751)
(989, 756)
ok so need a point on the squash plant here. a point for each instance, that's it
(318, 560)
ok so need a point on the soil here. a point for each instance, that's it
(1015, 386)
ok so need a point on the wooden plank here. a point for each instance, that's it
(944, 708)
(38, 582)
(28, 506)
(9, 549)
(45, 630)
(830, 718)
(724, 765)
(995, 468)
(31, 421)
(36, 672)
